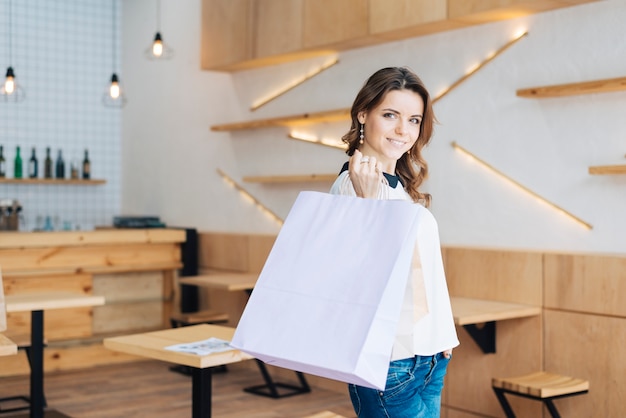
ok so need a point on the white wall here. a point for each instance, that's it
(171, 156)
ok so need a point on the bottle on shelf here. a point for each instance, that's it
(33, 165)
(3, 163)
(86, 166)
(74, 168)
(60, 166)
(17, 166)
(47, 172)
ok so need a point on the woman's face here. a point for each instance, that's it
(392, 127)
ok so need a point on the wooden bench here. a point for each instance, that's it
(541, 386)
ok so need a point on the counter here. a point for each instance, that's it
(133, 269)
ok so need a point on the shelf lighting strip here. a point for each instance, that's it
(295, 83)
(468, 74)
(521, 186)
(315, 140)
(474, 69)
(249, 197)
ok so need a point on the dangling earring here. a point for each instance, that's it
(361, 135)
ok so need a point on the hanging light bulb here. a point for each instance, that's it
(114, 93)
(11, 91)
(9, 84)
(159, 50)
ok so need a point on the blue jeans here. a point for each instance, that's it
(413, 390)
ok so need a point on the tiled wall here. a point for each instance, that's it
(63, 53)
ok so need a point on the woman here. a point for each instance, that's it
(392, 121)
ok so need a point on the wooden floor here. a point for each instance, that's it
(150, 389)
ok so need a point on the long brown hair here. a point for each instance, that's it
(411, 167)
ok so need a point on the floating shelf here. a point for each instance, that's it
(608, 169)
(289, 121)
(572, 89)
(91, 182)
(291, 178)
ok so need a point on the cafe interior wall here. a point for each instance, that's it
(62, 54)
(171, 157)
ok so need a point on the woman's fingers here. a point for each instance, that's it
(365, 172)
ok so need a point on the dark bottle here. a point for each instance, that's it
(47, 171)
(3, 163)
(86, 166)
(17, 167)
(60, 166)
(33, 166)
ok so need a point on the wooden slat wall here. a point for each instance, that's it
(134, 302)
(585, 329)
(494, 275)
(234, 252)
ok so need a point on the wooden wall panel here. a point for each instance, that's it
(3, 311)
(328, 22)
(588, 347)
(506, 276)
(59, 324)
(223, 251)
(518, 351)
(226, 36)
(278, 27)
(236, 252)
(389, 16)
(89, 258)
(259, 247)
(134, 302)
(586, 283)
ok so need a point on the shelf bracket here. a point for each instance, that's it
(484, 335)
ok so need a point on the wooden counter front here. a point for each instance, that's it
(133, 269)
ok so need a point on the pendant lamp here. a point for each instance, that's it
(114, 94)
(159, 50)
(11, 90)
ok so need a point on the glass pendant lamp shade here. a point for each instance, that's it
(114, 94)
(159, 50)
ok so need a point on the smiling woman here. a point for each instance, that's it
(392, 121)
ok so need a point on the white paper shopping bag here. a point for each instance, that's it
(328, 298)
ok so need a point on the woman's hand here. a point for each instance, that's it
(365, 174)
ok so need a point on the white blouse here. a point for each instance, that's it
(435, 332)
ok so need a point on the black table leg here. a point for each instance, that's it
(201, 393)
(36, 367)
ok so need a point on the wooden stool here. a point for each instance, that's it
(200, 317)
(541, 386)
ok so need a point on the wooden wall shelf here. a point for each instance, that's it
(572, 89)
(291, 178)
(608, 169)
(91, 182)
(288, 121)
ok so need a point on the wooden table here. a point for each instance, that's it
(152, 345)
(7, 347)
(36, 303)
(469, 312)
(232, 282)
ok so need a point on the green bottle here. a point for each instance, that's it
(17, 167)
